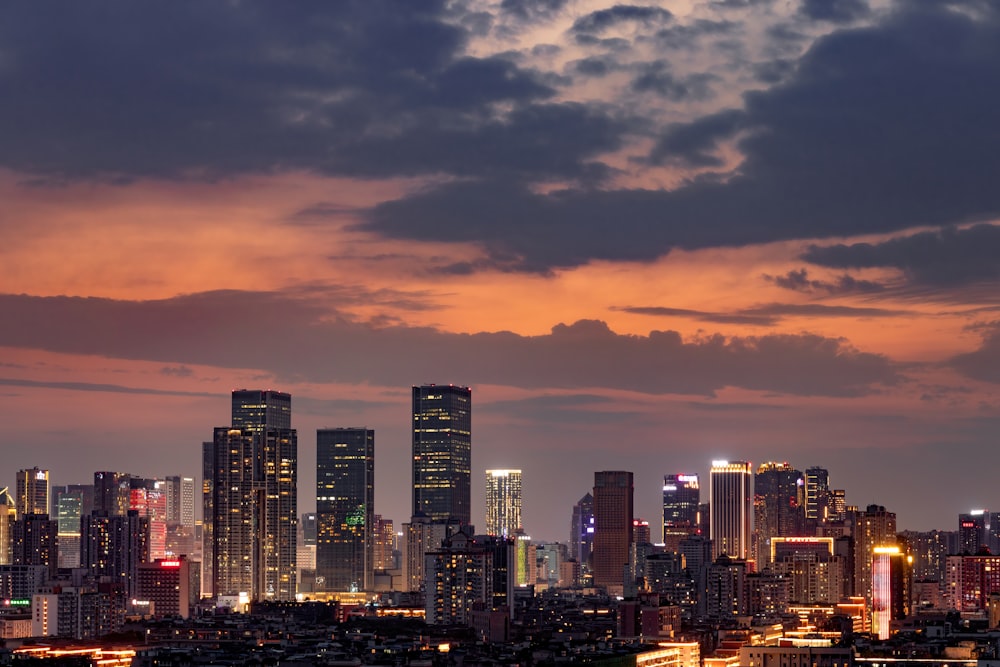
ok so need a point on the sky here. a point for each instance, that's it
(647, 236)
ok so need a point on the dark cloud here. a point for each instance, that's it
(177, 371)
(950, 257)
(207, 90)
(836, 11)
(603, 19)
(799, 281)
(767, 314)
(657, 77)
(297, 341)
(92, 386)
(984, 362)
(532, 10)
(878, 129)
(688, 36)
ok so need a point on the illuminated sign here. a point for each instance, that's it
(170, 563)
(669, 487)
(687, 478)
(968, 524)
(17, 602)
(40, 475)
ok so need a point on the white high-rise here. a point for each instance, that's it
(503, 502)
(731, 493)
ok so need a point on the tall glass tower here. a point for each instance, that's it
(250, 498)
(442, 453)
(731, 507)
(681, 498)
(345, 509)
(503, 502)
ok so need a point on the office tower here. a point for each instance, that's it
(114, 546)
(180, 521)
(34, 542)
(261, 409)
(873, 527)
(977, 531)
(384, 544)
(69, 509)
(640, 532)
(891, 585)
(726, 592)
(613, 515)
(8, 514)
(581, 532)
(149, 498)
(458, 578)
(308, 528)
(345, 508)
(167, 584)
(422, 535)
(207, 521)
(731, 507)
(503, 502)
(817, 483)
(837, 508)
(681, 500)
(930, 553)
(250, 499)
(442, 452)
(32, 491)
(817, 574)
(112, 492)
(777, 506)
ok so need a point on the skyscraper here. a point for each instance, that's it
(681, 497)
(581, 531)
(250, 499)
(777, 506)
(731, 507)
(32, 491)
(442, 452)
(345, 508)
(874, 527)
(503, 502)
(112, 492)
(817, 481)
(34, 541)
(613, 515)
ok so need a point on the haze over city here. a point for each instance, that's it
(647, 236)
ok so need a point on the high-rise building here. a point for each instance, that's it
(977, 530)
(817, 482)
(345, 509)
(114, 546)
(250, 499)
(891, 586)
(32, 491)
(681, 500)
(8, 514)
(613, 515)
(71, 503)
(873, 527)
(503, 502)
(581, 532)
(112, 492)
(777, 506)
(731, 508)
(442, 452)
(384, 547)
(34, 541)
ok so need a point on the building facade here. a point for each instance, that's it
(503, 502)
(778, 496)
(250, 499)
(731, 496)
(681, 502)
(613, 517)
(32, 489)
(442, 453)
(345, 509)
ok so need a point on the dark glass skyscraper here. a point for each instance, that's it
(613, 515)
(345, 508)
(681, 498)
(777, 506)
(817, 481)
(250, 499)
(442, 453)
(581, 531)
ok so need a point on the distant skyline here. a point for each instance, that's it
(647, 235)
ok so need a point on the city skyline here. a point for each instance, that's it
(647, 236)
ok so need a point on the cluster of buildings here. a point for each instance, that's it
(764, 544)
